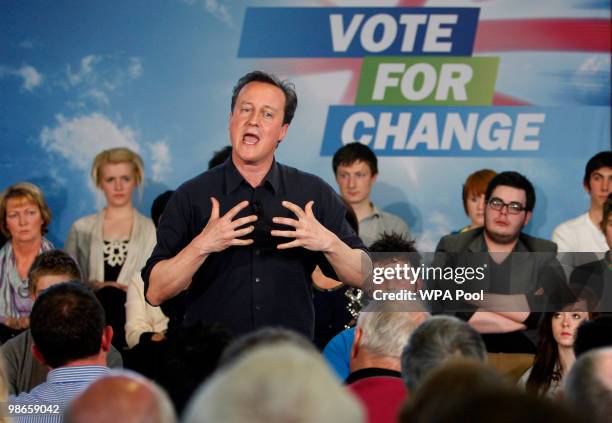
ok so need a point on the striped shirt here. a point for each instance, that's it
(46, 402)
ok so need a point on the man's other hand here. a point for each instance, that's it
(308, 233)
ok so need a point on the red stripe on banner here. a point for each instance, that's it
(506, 100)
(543, 34)
(411, 3)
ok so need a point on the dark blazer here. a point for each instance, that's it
(474, 241)
(526, 273)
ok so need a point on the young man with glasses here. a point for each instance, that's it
(514, 283)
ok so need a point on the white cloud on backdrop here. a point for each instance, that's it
(217, 8)
(31, 78)
(160, 159)
(96, 77)
(85, 70)
(79, 139)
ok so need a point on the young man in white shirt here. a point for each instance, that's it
(582, 234)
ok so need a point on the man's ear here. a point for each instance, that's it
(587, 189)
(527, 218)
(107, 337)
(38, 356)
(355, 346)
(284, 130)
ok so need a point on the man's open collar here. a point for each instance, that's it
(233, 178)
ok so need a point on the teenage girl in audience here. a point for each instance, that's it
(555, 354)
(113, 244)
(24, 219)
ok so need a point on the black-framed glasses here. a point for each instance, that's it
(498, 204)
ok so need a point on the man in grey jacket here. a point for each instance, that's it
(23, 371)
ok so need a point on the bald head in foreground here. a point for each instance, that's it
(123, 397)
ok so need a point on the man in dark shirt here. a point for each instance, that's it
(244, 237)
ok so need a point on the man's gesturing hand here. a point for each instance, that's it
(308, 233)
(223, 232)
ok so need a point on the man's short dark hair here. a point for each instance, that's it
(599, 160)
(392, 242)
(67, 322)
(353, 152)
(593, 334)
(53, 262)
(514, 180)
(259, 76)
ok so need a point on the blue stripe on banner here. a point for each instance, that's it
(496, 131)
(357, 32)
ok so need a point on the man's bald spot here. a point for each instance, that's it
(121, 399)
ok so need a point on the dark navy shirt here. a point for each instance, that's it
(245, 288)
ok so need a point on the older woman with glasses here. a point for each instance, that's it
(24, 219)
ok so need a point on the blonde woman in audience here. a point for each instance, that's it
(113, 244)
(24, 219)
(555, 354)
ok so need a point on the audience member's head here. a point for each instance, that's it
(355, 167)
(597, 168)
(381, 334)
(122, 397)
(450, 382)
(513, 180)
(274, 384)
(473, 195)
(220, 156)
(392, 250)
(510, 199)
(115, 156)
(67, 323)
(355, 152)
(50, 268)
(390, 242)
(593, 334)
(499, 406)
(556, 337)
(159, 205)
(23, 194)
(588, 386)
(436, 341)
(263, 337)
(194, 354)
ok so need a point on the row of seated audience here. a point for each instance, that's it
(404, 366)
